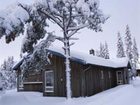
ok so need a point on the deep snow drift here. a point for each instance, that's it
(120, 95)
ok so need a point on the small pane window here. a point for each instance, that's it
(49, 81)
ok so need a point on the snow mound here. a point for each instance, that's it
(13, 99)
(136, 82)
(120, 95)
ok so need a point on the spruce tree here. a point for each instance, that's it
(128, 42)
(102, 50)
(135, 52)
(129, 51)
(120, 47)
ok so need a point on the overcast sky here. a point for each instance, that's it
(121, 12)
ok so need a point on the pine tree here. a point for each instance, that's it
(128, 42)
(102, 50)
(129, 51)
(135, 52)
(120, 47)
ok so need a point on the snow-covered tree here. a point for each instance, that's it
(1, 81)
(129, 50)
(70, 15)
(9, 75)
(135, 52)
(103, 51)
(106, 51)
(120, 47)
(39, 58)
(128, 42)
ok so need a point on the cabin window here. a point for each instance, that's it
(49, 81)
(20, 78)
(119, 78)
(102, 75)
(109, 74)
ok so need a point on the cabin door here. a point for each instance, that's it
(119, 77)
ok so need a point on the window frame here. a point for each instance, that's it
(20, 81)
(51, 88)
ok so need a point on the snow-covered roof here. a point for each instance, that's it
(90, 59)
(16, 66)
(86, 59)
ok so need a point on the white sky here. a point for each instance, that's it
(122, 12)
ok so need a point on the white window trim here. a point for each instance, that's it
(46, 87)
(32, 82)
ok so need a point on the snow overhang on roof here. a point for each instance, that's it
(90, 59)
(16, 66)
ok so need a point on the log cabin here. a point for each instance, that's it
(89, 75)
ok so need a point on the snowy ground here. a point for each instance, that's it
(121, 95)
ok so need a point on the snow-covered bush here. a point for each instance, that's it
(8, 74)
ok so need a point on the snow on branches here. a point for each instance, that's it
(8, 74)
(128, 42)
(120, 47)
(135, 51)
(103, 52)
(70, 15)
(76, 14)
(12, 22)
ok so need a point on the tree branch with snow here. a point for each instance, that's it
(70, 15)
